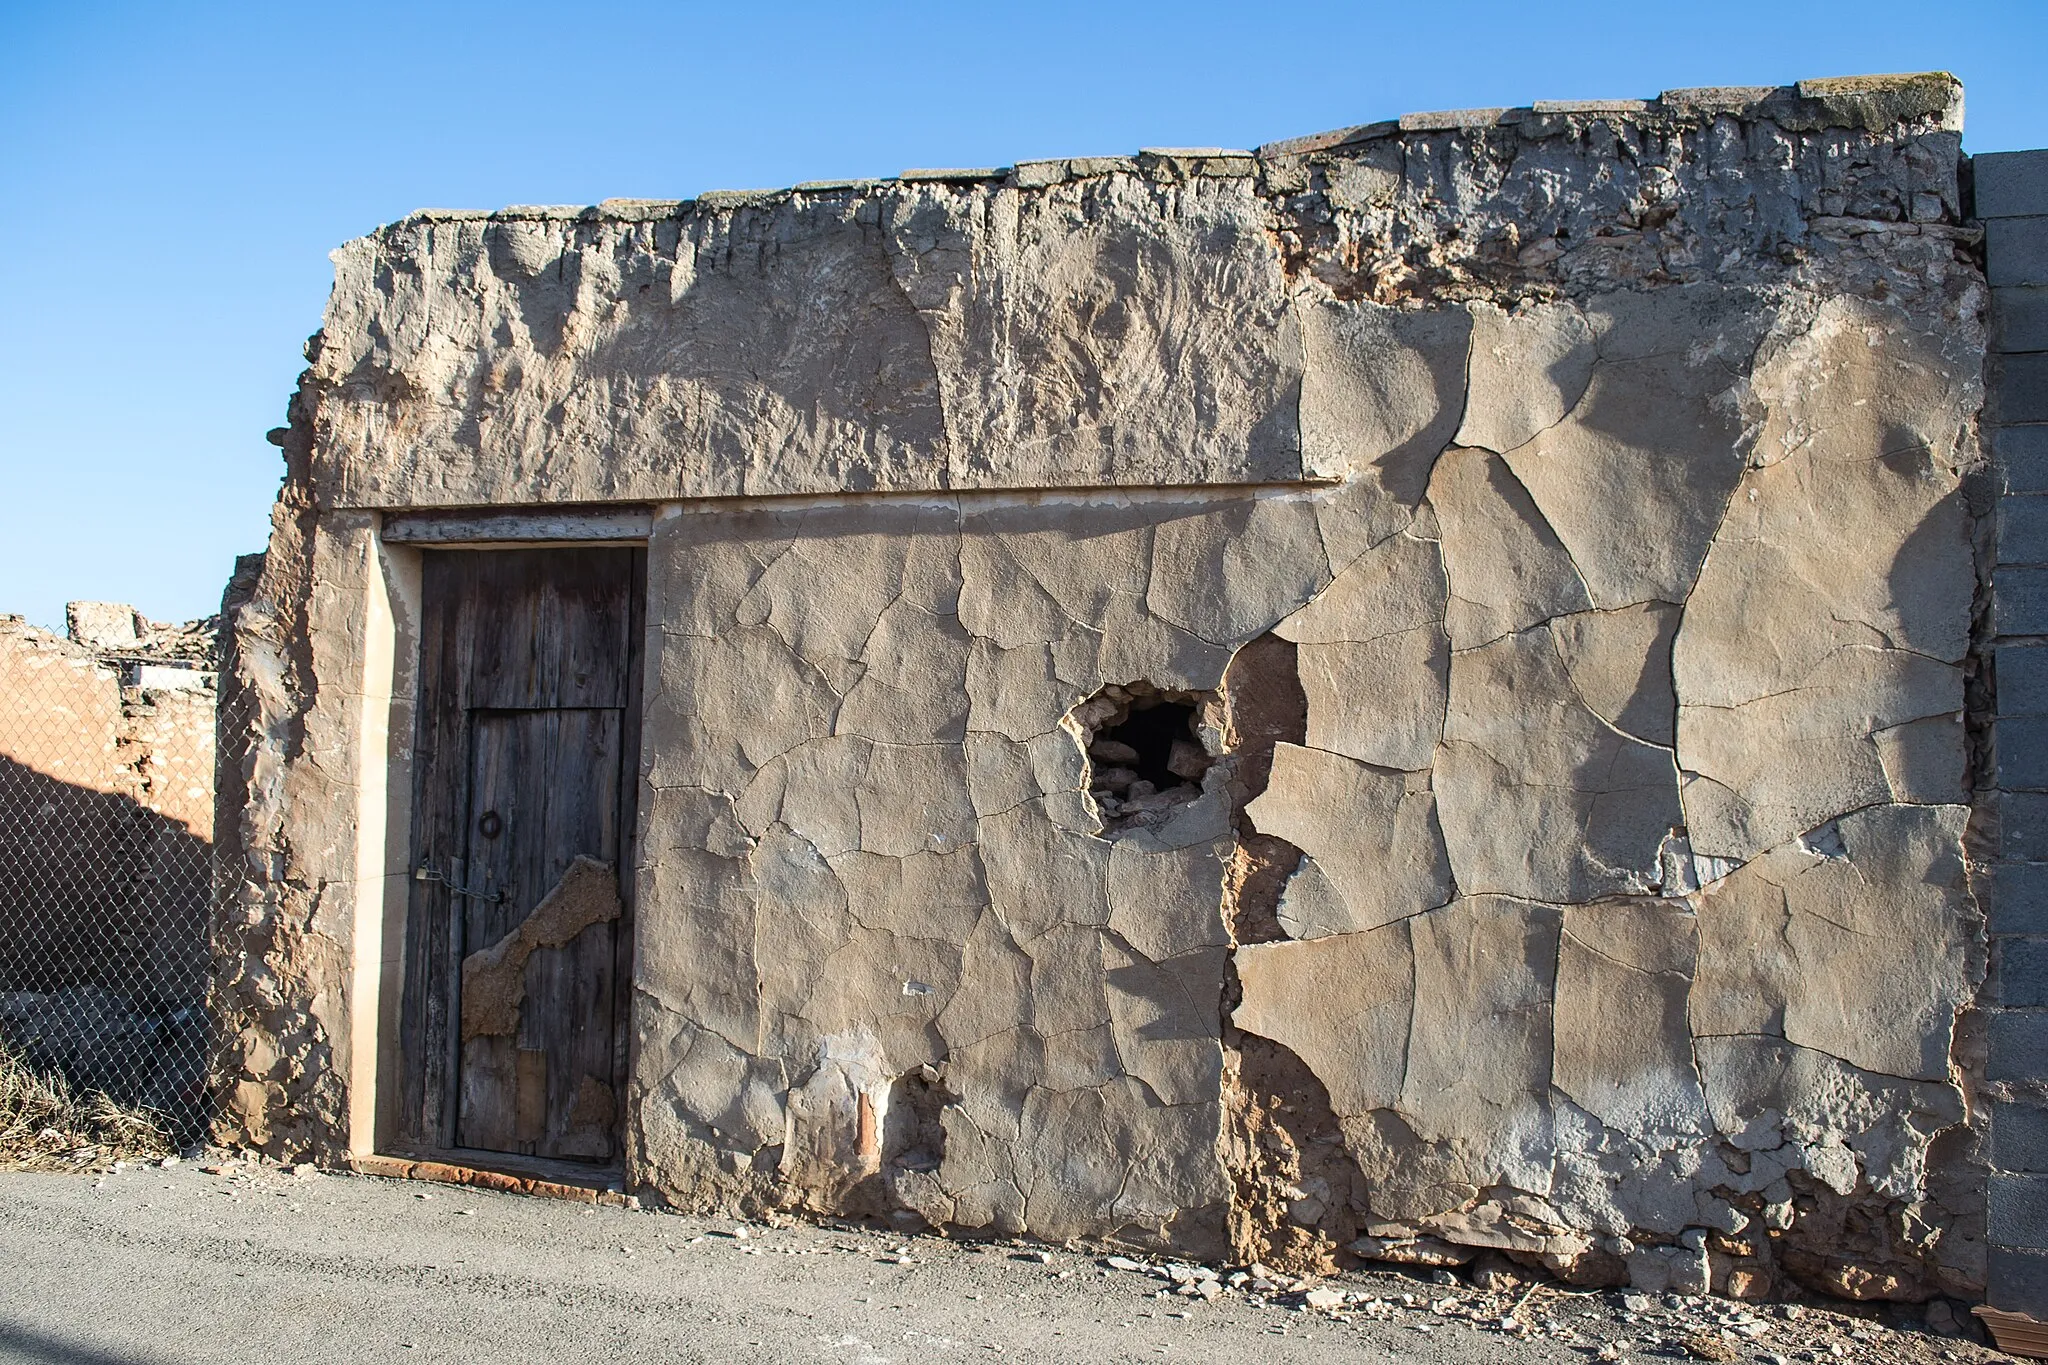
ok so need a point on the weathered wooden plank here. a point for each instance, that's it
(557, 629)
(552, 526)
(433, 930)
(570, 990)
(626, 936)
(544, 789)
(489, 1094)
(529, 687)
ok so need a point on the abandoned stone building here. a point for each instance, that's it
(1419, 689)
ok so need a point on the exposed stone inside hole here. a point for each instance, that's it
(904, 1134)
(913, 1134)
(1147, 750)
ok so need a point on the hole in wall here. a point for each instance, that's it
(1155, 745)
(903, 1191)
(913, 1132)
(1147, 750)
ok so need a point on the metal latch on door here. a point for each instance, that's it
(424, 873)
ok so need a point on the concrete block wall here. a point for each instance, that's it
(2012, 201)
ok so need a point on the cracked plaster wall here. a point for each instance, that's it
(1619, 519)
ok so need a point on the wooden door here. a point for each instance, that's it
(518, 938)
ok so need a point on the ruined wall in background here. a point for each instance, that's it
(1575, 860)
(106, 823)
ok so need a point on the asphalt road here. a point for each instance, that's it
(156, 1266)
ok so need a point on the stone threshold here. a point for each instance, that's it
(549, 1181)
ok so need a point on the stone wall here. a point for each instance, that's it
(1561, 527)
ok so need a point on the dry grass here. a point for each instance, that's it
(44, 1127)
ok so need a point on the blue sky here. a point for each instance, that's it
(173, 176)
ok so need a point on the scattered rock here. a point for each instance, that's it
(1744, 1283)
(1702, 1346)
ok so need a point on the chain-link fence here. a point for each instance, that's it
(107, 868)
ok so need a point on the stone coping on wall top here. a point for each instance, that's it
(1870, 103)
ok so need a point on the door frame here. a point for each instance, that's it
(383, 720)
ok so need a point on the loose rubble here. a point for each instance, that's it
(1608, 1325)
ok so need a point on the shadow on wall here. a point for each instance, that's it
(103, 957)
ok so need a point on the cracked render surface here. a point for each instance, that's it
(1600, 900)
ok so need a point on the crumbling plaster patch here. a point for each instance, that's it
(1626, 569)
(494, 976)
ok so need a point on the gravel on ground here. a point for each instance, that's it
(234, 1262)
